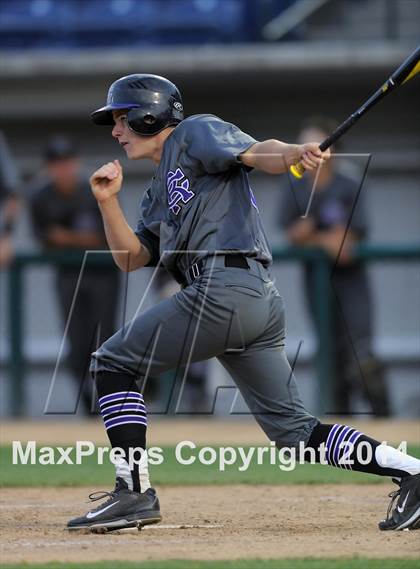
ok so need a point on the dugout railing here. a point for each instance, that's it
(316, 257)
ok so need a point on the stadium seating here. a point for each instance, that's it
(34, 23)
(90, 23)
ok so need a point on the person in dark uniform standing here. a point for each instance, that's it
(9, 202)
(65, 217)
(200, 219)
(9, 207)
(332, 206)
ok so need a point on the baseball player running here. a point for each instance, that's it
(200, 220)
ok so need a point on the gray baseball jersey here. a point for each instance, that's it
(200, 198)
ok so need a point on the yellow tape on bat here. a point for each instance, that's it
(406, 71)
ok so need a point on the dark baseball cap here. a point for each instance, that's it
(59, 148)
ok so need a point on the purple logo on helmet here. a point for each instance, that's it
(178, 190)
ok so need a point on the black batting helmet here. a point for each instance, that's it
(153, 103)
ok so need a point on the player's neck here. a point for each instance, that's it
(161, 138)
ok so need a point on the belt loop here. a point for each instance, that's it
(195, 270)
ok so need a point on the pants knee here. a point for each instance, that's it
(101, 361)
(292, 438)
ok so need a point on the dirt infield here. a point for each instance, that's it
(233, 521)
(167, 431)
(241, 522)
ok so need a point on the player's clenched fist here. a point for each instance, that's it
(106, 181)
(311, 156)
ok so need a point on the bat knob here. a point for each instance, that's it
(297, 170)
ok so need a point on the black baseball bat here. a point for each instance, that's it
(406, 71)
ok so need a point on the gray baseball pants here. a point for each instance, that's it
(230, 313)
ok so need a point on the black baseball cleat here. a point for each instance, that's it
(406, 511)
(123, 509)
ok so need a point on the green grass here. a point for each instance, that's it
(173, 473)
(307, 563)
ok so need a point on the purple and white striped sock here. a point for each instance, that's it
(125, 418)
(340, 444)
(350, 449)
(123, 408)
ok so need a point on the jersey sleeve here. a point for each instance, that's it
(148, 229)
(216, 144)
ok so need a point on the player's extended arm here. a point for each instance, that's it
(275, 157)
(129, 254)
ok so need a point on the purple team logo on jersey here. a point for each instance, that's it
(178, 190)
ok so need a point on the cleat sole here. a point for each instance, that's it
(134, 521)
